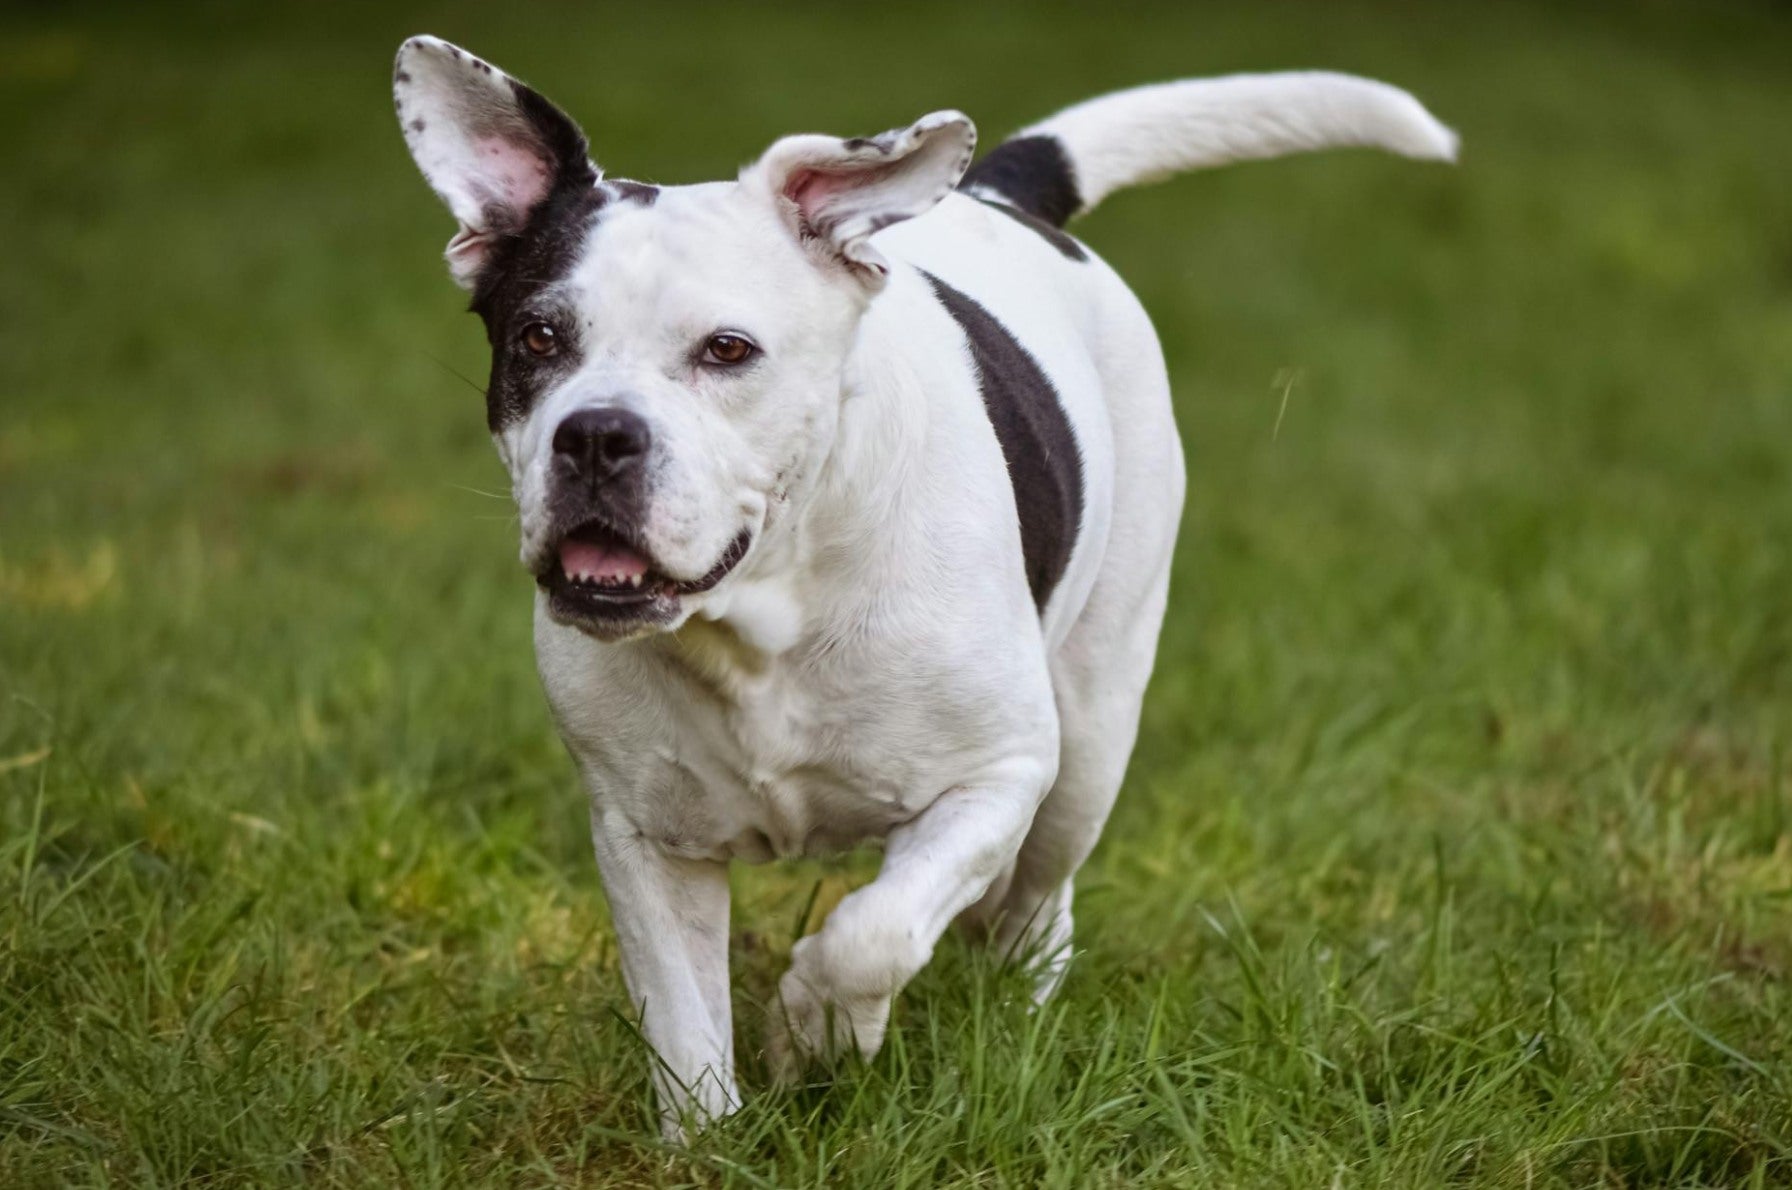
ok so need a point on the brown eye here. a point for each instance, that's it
(540, 339)
(729, 349)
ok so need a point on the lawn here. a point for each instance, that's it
(1457, 847)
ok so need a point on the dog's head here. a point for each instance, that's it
(666, 363)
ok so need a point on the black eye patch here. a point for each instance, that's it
(522, 268)
(509, 292)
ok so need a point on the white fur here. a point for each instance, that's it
(1150, 133)
(875, 669)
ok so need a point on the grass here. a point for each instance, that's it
(1457, 847)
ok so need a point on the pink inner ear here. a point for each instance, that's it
(518, 174)
(813, 189)
(809, 188)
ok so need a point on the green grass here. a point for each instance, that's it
(1458, 842)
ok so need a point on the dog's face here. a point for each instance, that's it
(666, 363)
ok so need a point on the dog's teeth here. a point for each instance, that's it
(634, 580)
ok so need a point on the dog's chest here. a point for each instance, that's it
(790, 769)
(792, 760)
(813, 760)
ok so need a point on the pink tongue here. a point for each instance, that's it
(599, 563)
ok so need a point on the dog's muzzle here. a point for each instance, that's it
(599, 574)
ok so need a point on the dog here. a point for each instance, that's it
(850, 489)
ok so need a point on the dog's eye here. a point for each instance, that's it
(728, 349)
(540, 339)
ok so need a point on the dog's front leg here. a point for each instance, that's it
(842, 978)
(671, 921)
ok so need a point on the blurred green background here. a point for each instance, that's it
(1458, 842)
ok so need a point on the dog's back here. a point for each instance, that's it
(1068, 365)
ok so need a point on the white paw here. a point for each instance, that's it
(813, 1023)
(687, 1109)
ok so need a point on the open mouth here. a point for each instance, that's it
(600, 573)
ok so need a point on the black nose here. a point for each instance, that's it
(601, 444)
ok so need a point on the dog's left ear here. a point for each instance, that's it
(836, 193)
(491, 147)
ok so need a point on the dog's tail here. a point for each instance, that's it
(1060, 168)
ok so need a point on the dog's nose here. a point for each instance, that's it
(602, 443)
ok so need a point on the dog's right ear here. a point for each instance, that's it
(491, 147)
(836, 194)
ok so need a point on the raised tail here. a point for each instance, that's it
(1061, 167)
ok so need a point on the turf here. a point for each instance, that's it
(1457, 847)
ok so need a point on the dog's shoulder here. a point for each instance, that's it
(1030, 305)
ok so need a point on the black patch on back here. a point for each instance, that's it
(1033, 173)
(1058, 238)
(1044, 464)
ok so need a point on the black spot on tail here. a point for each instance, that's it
(1044, 464)
(1034, 174)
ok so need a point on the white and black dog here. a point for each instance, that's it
(850, 489)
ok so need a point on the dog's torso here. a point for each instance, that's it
(898, 648)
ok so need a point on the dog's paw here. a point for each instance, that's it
(686, 1110)
(811, 1025)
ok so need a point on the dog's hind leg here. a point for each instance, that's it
(1099, 675)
